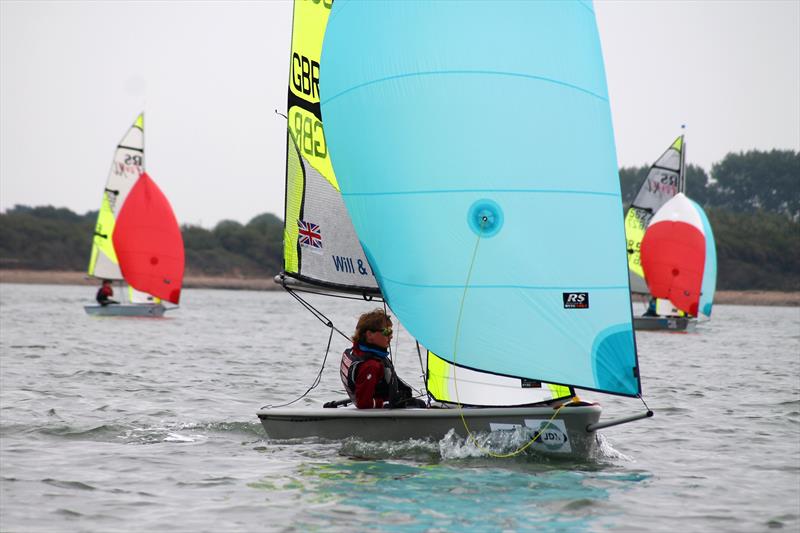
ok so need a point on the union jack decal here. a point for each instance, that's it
(309, 234)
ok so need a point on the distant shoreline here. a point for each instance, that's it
(774, 298)
(59, 277)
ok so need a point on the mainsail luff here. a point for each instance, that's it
(321, 249)
(419, 190)
(664, 180)
(127, 165)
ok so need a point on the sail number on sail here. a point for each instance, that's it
(664, 183)
(308, 133)
(305, 75)
(132, 164)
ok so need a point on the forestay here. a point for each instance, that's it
(480, 173)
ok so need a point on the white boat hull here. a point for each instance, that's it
(142, 310)
(566, 435)
(664, 323)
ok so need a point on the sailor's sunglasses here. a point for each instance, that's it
(387, 332)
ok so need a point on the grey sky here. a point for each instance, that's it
(209, 75)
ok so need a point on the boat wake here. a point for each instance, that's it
(410, 449)
(606, 451)
(482, 445)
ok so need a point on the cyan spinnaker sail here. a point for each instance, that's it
(148, 242)
(663, 181)
(709, 284)
(475, 154)
(320, 244)
(126, 166)
(674, 254)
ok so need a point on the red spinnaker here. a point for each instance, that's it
(673, 256)
(148, 242)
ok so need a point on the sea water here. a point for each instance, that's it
(124, 424)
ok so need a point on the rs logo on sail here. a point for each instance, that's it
(576, 300)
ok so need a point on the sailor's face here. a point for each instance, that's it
(380, 338)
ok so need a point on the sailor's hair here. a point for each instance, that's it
(374, 320)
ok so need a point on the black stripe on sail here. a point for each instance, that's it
(130, 148)
(659, 167)
(296, 101)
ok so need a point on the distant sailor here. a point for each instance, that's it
(366, 370)
(104, 294)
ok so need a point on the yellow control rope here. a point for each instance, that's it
(455, 381)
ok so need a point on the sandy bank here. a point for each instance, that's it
(189, 281)
(266, 284)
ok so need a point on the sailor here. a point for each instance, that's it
(366, 370)
(104, 294)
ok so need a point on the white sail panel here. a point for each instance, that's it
(127, 165)
(663, 181)
(452, 384)
(321, 246)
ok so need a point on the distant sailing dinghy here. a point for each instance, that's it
(137, 240)
(665, 180)
(454, 215)
(679, 261)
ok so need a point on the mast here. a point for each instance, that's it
(683, 161)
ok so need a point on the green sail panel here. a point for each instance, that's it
(320, 244)
(127, 165)
(664, 180)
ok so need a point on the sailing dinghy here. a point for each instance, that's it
(665, 180)
(137, 240)
(449, 217)
(679, 259)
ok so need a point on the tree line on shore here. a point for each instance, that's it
(752, 200)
